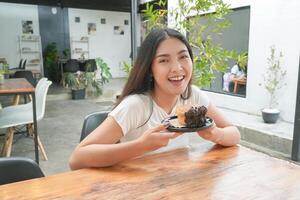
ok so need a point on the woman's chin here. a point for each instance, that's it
(177, 92)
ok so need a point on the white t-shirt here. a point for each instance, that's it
(134, 111)
(235, 70)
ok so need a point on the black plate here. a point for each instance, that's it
(173, 120)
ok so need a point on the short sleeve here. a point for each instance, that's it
(198, 97)
(234, 69)
(131, 112)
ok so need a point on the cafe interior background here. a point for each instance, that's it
(256, 26)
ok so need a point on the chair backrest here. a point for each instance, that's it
(90, 65)
(91, 122)
(20, 63)
(24, 64)
(13, 169)
(41, 94)
(72, 65)
(26, 74)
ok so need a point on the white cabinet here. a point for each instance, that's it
(80, 48)
(31, 51)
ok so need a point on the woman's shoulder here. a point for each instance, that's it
(131, 104)
(136, 100)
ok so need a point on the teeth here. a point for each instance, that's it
(176, 78)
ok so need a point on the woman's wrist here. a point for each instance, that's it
(141, 146)
(217, 135)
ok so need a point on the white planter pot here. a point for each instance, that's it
(1, 79)
(270, 116)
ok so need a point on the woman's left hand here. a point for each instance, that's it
(208, 133)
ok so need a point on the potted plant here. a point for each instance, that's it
(105, 74)
(1, 77)
(79, 81)
(76, 81)
(273, 81)
(51, 56)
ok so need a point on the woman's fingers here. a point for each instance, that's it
(170, 135)
(158, 128)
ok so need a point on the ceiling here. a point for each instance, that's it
(109, 5)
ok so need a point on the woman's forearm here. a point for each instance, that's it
(103, 155)
(227, 136)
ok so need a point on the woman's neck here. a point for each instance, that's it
(165, 101)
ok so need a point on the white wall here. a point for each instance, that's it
(113, 49)
(272, 22)
(11, 16)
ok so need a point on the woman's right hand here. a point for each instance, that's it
(157, 137)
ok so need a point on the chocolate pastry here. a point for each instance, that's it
(195, 117)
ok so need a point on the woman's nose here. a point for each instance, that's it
(176, 65)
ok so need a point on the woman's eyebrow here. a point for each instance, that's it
(162, 55)
(167, 55)
(182, 51)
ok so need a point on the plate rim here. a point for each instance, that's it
(186, 129)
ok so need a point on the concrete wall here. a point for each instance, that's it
(272, 22)
(113, 49)
(11, 17)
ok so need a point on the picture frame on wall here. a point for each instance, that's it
(103, 21)
(27, 27)
(77, 19)
(119, 30)
(91, 28)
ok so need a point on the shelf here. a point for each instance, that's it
(81, 51)
(30, 52)
(82, 41)
(29, 40)
(80, 47)
(30, 49)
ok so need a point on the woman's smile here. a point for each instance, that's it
(176, 80)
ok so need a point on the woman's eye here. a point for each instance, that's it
(184, 56)
(163, 61)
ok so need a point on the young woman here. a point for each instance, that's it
(159, 82)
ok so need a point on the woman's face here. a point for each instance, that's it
(171, 67)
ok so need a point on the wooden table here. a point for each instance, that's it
(237, 82)
(15, 86)
(205, 172)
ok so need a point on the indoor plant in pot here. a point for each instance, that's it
(273, 81)
(1, 77)
(81, 80)
(76, 81)
(104, 70)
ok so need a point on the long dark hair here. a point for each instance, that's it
(140, 79)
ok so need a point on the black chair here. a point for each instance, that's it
(24, 64)
(20, 64)
(91, 122)
(13, 169)
(26, 74)
(82, 65)
(90, 65)
(71, 66)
